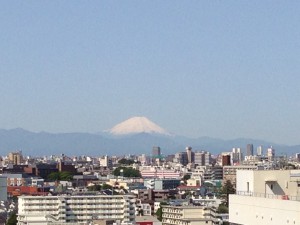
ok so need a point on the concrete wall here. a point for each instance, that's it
(245, 180)
(248, 210)
(275, 182)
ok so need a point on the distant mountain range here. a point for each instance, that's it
(138, 137)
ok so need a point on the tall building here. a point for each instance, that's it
(15, 158)
(236, 156)
(189, 154)
(271, 153)
(226, 160)
(249, 149)
(156, 151)
(259, 150)
(156, 155)
(181, 157)
(202, 158)
(75, 209)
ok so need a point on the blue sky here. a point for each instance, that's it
(224, 69)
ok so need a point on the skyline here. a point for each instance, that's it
(200, 69)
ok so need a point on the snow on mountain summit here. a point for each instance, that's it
(137, 125)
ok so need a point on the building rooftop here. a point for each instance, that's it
(146, 219)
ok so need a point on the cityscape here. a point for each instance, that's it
(192, 186)
(149, 112)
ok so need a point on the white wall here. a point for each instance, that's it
(244, 178)
(248, 210)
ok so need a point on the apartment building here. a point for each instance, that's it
(15, 158)
(188, 215)
(207, 173)
(202, 158)
(80, 209)
(143, 209)
(269, 197)
(159, 172)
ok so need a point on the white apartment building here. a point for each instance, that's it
(269, 197)
(188, 215)
(75, 209)
(142, 209)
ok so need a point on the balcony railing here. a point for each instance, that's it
(272, 196)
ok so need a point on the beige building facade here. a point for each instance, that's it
(269, 197)
(188, 215)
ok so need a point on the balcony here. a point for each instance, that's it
(271, 196)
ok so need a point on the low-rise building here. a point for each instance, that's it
(188, 215)
(161, 184)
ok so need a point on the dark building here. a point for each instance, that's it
(44, 170)
(249, 151)
(156, 154)
(65, 167)
(182, 158)
(14, 169)
(169, 158)
(156, 151)
(225, 160)
(83, 180)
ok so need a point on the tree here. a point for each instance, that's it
(126, 161)
(222, 209)
(106, 186)
(159, 211)
(95, 187)
(65, 175)
(141, 212)
(186, 177)
(53, 176)
(12, 220)
(226, 190)
(127, 172)
(98, 187)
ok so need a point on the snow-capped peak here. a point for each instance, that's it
(137, 125)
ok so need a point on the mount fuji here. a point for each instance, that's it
(136, 135)
(136, 125)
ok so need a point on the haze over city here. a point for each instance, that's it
(223, 69)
